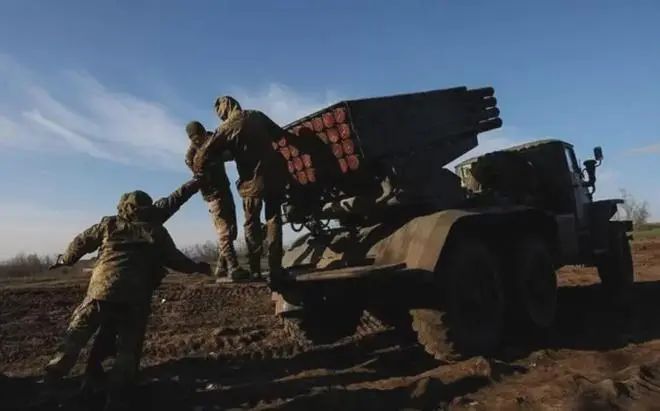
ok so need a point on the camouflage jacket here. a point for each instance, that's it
(248, 135)
(214, 183)
(133, 255)
(166, 207)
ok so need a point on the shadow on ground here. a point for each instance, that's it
(382, 371)
(586, 320)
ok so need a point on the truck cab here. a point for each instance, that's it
(545, 174)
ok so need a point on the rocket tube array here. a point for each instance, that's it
(332, 128)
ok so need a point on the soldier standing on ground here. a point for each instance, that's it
(104, 345)
(134, 251)
(214, 186)
(248, 135)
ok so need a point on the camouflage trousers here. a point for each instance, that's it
(127, 321)
(254, 237)
(223, 215)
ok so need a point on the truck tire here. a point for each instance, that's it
(472, 317)
(395, 318)
(323, 323)
(615, 268)
(535, 283)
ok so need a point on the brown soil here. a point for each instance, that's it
(212, 347)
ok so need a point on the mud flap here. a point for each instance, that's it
(283, 307)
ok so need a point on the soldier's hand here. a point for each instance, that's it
(59, 262)
(198, 163)
(204, 268)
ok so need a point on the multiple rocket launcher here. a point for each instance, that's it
(334, 130)
(346, 147)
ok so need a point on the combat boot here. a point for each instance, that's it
(220, 267)
(239, 274)
(255, 267)
(59, 366)
(94, 382)
(235, 271)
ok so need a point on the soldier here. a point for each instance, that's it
(134, 250)
(249, 135)
(216, 192)
(104, 345)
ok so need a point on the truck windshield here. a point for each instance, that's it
(571, 161)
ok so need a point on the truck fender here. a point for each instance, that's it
(420, 242)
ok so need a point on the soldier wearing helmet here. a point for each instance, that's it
(248, 135)
(134, 250)
(104, 345)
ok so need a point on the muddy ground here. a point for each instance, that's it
(219, 347)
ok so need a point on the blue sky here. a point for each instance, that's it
(94, 95)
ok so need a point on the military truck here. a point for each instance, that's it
(456, 257)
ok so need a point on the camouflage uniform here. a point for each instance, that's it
(134, 252)
(248, 135)
(217, 194)
(104, 345)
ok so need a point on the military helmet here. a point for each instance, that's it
(135, 205)
(195, 128)
(226, 105)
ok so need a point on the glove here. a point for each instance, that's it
(198, 163)
(59, 262)
(195, 182)
(198, 177)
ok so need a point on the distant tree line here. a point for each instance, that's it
(635, 210)
(208, 251)
(25, 264)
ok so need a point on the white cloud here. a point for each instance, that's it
(32, 228)
(75, 140)
(283, 104)
(498, 139)
(76, 112)
(73, 111)
(650, 149)
(8, 131)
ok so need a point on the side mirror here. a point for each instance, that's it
(598, 154)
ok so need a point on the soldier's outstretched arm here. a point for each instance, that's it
(217, 143)
(190, 155)
(176, 260)
(84, 243)
(166, 207)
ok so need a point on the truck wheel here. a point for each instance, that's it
(323, 323)
(535, 283)
(395, 318)
(471, 322)
(615, 268)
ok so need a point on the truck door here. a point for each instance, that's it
(580, 194)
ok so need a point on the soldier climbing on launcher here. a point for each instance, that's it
(248, 135)
(134, 250)
(214, 186)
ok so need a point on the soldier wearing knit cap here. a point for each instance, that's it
(214, 186)
(248, 135)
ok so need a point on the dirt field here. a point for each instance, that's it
(213, 347)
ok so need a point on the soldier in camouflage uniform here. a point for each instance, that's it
(135, 249)
(216, 192)
(248, 135)
(104, 345)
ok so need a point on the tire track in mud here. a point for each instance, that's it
(213, 346)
